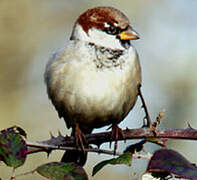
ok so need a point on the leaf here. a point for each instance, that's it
(13, 149)
(62, 171)
(167, 161)
(137, 147)
(122, 159)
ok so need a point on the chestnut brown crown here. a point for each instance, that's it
(99, 16)
(108, 20)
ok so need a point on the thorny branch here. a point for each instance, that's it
(68, 143)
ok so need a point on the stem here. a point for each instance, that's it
(149, 123)
(13, 174)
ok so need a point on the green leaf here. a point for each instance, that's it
(122, 159)
(62, 171)
(167, 161)
(13, 149)
(137, 147)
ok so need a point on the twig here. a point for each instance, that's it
(13, 174)
(158, 118)
(45, 147)
(149, 123)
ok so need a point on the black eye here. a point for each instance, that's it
(113, 30)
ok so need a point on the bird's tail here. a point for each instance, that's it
(78, 157)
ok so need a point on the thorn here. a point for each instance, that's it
(109, 127)
(48, 151)
(51, 135)
(98, 145)
(59, 133)
(48, 154)
(189, 125)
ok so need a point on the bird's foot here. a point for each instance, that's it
(116, 134)
(80, 138)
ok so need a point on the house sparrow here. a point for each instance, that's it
(93, 81)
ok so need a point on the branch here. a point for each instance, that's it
(38, 147)
(68, 143)
(35, 147)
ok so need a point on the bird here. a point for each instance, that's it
(93, 80)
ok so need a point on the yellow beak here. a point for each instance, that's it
(129, 34)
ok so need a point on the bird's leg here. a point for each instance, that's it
(79, 138)
(116, 134)
(147, 116)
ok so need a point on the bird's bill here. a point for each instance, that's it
(129, 34)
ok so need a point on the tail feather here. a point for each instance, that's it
(78, 157)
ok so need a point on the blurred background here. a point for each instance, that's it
(31, 30)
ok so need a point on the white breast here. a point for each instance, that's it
(91, 93)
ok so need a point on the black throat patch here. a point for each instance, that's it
(107, 57)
